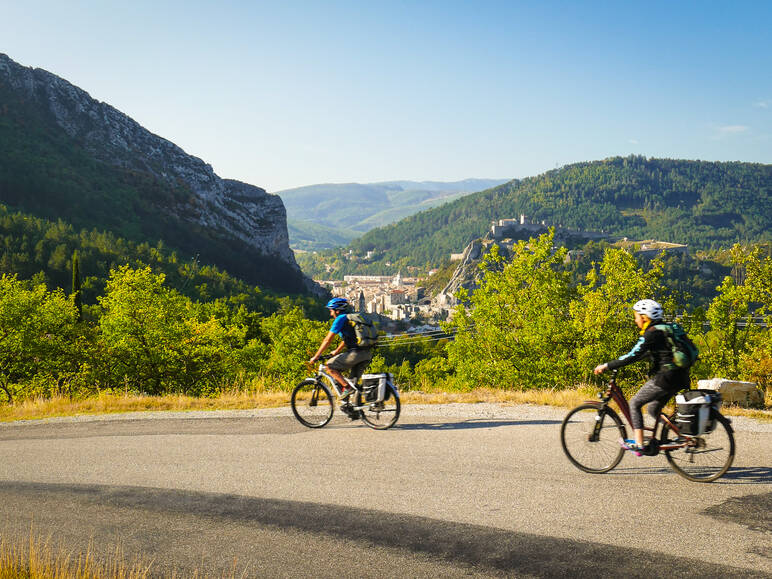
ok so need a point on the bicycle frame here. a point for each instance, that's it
(614, 392)
(321, 373)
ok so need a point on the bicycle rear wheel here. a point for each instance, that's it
(708, 456)
(590, 438)
(381, 415)
(312, 403)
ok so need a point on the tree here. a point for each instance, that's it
(516, 331)
(76, 298)
(602, 314)
(736, 347)
(36, 332)
(157, 340)
(292, 339)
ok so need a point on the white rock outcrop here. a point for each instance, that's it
(733, 391)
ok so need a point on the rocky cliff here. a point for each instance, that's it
(226, 209)
(467, 274)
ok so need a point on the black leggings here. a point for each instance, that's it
(653, 394)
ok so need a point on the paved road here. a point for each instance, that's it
(460, 490)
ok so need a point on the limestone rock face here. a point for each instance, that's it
(466, 276)
(231, 208)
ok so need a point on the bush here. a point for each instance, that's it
(157, 340)
(38, 335)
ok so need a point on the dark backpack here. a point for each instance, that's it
(685, 353)
(365, 330)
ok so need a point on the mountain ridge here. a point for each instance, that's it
(321, 215)
(702, 203)
(66, 152)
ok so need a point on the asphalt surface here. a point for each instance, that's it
(451, 491)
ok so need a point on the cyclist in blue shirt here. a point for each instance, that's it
(355, 359)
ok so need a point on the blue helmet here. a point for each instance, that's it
(337, 304)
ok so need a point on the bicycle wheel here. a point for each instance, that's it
(587, 449)
(708, 457)
(380, 415)
(312, 403)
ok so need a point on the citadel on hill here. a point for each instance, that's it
(399, 298)
(507, 228)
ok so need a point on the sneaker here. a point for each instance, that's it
(345, 392)
(632, 446)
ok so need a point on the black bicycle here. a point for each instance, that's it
(375, 400)
(590, 436)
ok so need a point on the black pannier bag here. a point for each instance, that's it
(694, 411)
(374, 387)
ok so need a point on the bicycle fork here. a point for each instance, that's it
(596, 429)
(314, 397)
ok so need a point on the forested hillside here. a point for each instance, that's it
(42, 250)
(703, 204)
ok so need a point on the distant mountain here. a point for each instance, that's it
(64, 155)
(703, 204)
(329, 215)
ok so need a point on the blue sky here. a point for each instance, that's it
(284, 94)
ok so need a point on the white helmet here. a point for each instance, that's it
(649, 308)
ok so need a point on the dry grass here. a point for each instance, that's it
(38, 408)
(563, 398)
(245, 400)
(42, 559)
(39, 559)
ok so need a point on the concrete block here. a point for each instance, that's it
(734, 391)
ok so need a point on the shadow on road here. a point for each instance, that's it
(484, 548)
(752, 511)
(748, 475)
(474, 423)
(735, 475)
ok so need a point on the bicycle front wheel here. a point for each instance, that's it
(707, 457)
(590, 437)
(381, 415)
(312, 403)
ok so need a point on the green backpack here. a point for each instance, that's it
(685, 353)
(365, 330)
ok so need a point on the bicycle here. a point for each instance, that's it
(375, 400)
(590, 436)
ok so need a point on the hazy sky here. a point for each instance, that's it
(289, 93)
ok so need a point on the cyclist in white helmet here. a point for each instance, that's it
(665, 378)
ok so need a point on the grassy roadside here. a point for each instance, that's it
(40, 559)
(36, 409)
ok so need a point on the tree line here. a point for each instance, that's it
(530, 324)
(42, 250)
